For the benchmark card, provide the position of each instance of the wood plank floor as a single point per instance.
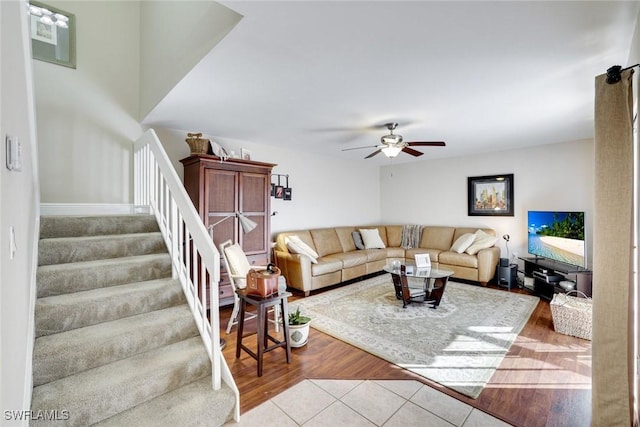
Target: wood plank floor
(545, 379)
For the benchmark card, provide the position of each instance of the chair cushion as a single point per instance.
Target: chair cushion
(238, 262)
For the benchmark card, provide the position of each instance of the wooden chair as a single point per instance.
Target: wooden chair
(238, 266)
(403, 291)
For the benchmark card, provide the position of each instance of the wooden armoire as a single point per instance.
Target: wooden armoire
(221, 188)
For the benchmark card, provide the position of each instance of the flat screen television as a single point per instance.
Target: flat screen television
(557, 236)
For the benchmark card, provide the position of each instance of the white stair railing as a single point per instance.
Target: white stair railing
(195, 259)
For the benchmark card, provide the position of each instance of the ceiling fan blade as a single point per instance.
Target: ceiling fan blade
(411, 151)
(373, 154)
(359, 148)
(426, 144)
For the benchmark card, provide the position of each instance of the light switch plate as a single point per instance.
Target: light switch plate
(13, 153)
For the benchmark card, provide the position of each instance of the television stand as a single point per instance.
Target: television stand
(548, 274)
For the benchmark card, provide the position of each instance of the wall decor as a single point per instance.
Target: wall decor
(53, 34)
(245, 154)
(279, 191)
(286, 195)
(490, 195)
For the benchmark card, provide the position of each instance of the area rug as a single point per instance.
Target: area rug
(459, 345)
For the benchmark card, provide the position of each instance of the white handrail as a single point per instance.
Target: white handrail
(195, 259)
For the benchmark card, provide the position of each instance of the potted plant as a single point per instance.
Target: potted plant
(298, 328)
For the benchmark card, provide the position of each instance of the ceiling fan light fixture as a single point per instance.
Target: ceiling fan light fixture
(391, 139)
(391, 151)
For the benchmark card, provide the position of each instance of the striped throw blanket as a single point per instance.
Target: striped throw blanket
(411, 236)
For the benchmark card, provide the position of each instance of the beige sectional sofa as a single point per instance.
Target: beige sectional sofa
(339, 260)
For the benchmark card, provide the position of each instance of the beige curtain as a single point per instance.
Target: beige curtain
(613, 335)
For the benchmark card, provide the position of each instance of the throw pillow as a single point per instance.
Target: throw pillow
(297, 246)
(357, 240)
(306, 248)
(371, 238)
(482, 241)
(463, 242)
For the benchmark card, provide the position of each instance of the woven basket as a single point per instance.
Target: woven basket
(572, 315)
(197, 144)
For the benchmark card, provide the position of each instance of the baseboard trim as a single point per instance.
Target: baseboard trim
(90, 209)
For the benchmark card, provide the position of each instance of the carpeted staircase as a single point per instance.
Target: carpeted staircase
(116, 343)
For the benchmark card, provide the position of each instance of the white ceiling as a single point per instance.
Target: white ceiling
(482, 76)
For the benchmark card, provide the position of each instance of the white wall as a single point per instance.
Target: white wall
(19, 210)
(167, 56)
(546, 177)
(87, 117)
(326, 191)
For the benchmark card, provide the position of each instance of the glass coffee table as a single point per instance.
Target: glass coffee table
(423, 285)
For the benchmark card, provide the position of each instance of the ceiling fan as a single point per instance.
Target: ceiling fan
(392, 144)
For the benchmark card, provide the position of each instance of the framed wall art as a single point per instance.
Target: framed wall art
(490, 195)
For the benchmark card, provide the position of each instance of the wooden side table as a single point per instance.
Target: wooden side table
(262, 306)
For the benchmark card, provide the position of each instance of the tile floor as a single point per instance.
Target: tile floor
(335, 403)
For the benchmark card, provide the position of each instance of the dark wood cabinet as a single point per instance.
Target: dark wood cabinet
(548, 274)
(218, 190)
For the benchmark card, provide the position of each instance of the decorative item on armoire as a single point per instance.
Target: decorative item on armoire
(197, 144)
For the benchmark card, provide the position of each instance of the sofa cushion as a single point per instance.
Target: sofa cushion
(394, 235)
(454, 258)
(371, 238)
(434, 254)
(326, 265)
(482, 241)
(396, 252)
(350, 259)
(437, 238)
(463, 242)
(345, 235)
(375, 254)
(326, 241)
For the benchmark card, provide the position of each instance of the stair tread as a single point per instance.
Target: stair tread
(59, 313)
(102, 392)
(82, 265)
(64, 250)
(75, 225)
(195, 404)
(92, 238)
(67, 353)
(52, 279)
